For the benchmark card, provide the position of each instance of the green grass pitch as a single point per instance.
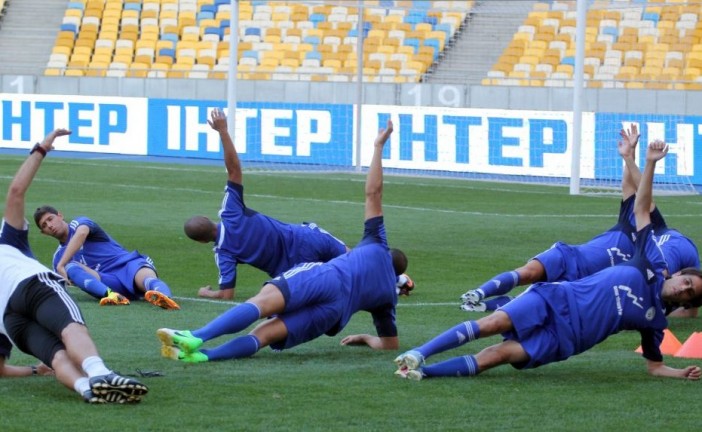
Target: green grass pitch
(456, 233)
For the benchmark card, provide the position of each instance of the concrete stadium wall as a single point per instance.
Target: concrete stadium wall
(516, 98)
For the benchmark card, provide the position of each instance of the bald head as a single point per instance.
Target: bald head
(200, 228)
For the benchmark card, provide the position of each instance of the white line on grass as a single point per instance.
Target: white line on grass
(228, 303)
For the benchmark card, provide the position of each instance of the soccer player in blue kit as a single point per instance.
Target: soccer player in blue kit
(564, 262)
(551, 322)
(246, 236)
(99, 265)
(312, 299)
(36, 313)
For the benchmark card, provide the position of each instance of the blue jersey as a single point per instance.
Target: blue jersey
(100, 252)
(577, 315)
(320, 298)
(248, 237)
(116, 265)
(564, 262)
(679, 251)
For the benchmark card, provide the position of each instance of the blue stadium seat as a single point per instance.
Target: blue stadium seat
(132, 6)
(444, 27)
(250, 53)
(216, 31)
(317, 18)
(173, 37)
(252, 31)
(69, 27)
(610, 31)
(224, 24)
(434, 43)
(570, 60)
(76, 5)
(313, 55)
(312, 40)
(413, 42)
(651, 16)
(167, 52)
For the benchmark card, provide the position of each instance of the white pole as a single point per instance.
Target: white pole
(578, 81)
(233, 61)
(360, 24)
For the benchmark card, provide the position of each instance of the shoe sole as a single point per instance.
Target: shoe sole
(168, 340)
(470, 297)
(119, 393)
(161, 300)
(170, 352)
(407, 360)
(474, 307)
(114, 303)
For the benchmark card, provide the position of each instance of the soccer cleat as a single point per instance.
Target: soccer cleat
(474, 307)
(91, 398)
(472, 296)
(182, 339)
(113, 299)
(176, 354)
(410, 374)
(409, 360)
(115, 388)
(404, 285)
(161, 300)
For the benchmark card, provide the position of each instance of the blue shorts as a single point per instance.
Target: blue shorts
(121, 279)
(536, 329)
(559, 263)
(313, 303)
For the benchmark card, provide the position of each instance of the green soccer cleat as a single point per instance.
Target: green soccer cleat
(176, 354)
(182, 339)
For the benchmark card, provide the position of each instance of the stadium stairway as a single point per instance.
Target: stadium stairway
(488, 29)
(27, 33)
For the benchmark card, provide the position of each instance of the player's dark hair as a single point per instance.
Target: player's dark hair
(695, 302)
(399, 261)
(41, 211)
(199, 228)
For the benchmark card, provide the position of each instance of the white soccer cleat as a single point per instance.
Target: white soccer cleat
(409, 360)
(474, 307)
(472, 296)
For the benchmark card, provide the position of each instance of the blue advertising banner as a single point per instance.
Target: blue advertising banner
(307, 134)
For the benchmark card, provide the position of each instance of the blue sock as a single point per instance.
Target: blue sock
(500, 284)
(86, 281)
(243, 346)
(234, 320)
(494, 303)
(156, 284)
(457, 366)
(451, 338)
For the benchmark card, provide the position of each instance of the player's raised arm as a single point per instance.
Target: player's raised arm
(627, 150)
(374, 180)
(218, 122)
(14, 202)
(644, 194)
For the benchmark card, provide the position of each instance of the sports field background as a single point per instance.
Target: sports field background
(456, 233)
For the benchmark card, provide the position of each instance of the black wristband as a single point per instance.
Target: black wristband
(34, 370)
(38, 148)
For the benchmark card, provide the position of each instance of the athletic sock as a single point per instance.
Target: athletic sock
(457, 366)
(86, 281)
(156, 284)
(81, 385)
(500, 284)
(451, 338)
(94, 366)
(243, 346)
(234, 320)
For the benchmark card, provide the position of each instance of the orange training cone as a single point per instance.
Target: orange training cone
(692, 348)
(670, 344)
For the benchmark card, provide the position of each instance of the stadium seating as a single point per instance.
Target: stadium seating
(164, 36)
(642, 45)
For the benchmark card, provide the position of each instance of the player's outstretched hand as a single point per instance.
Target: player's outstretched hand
(656, 150)
(692, 373)
(383, 135)
(218, 121)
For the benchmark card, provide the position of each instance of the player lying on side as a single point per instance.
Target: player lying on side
(551, 322)
(312, 299)
(38, 315)
(245, 236)
(564, 262)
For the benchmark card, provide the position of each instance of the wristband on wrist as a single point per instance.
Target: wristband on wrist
(38, 148)
(34, 370)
